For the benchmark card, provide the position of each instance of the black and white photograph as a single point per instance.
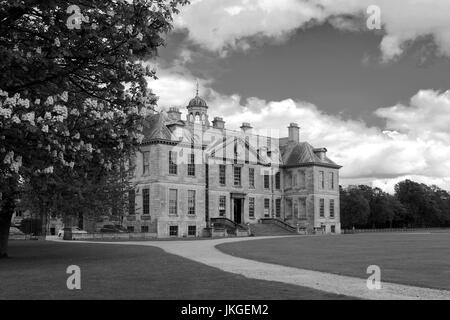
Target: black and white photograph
(224, 156)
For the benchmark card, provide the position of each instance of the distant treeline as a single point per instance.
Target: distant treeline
(414, 205)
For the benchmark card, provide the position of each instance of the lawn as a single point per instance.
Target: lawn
(37, 270)
(414, 259)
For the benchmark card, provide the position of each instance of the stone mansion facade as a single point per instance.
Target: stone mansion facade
(190, 171)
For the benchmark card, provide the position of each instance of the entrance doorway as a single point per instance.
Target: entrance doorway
(237, 210)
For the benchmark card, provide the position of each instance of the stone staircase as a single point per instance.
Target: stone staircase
(269, 229)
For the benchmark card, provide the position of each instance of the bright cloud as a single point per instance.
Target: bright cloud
(415, 143)
(223, 25)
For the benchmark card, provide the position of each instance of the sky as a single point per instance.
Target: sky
(377, 99)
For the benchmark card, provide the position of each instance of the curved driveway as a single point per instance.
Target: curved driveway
(204, 251)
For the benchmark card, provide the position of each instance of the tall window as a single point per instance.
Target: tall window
(278, 207)
(266, 181)
(332, 180)
(237, 176)
(191, 202)
(222, 174)
(146, 201)
(191, 165)
(222, 205)
(277, 181)
(173, 201)
(251, 207)
(331, 208)
(146, 162)
(192, 231)
(172, 162)
(131, 202)
(251, 177)
(322, 207)
(266, 207)
(173, 231)
(322, 179)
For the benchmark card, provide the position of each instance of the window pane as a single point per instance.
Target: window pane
(192, 230)
(266, 181)
(146, 162)
(322, 179)
(237, 176)
(322, 207)
(222, 205)
(251, 177)
(278, 207)
(266, 207)
(222, 174)
(277, 181)
(173, 201)
(173, 230)
(251, 207)
(191, 202)
(331, 208)
(146, 201)
(172, 162)
(191, 165)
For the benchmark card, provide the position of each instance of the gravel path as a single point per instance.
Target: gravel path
(204, 251)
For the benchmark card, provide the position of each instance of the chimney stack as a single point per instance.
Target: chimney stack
(174, 113)
(246, 127)
(294, 132)
(321, 153)
(218, 123)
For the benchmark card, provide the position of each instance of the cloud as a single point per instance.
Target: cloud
(221, 26)
(414, 144)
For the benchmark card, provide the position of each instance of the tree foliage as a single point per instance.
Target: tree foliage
(412, 205)
(73, 92)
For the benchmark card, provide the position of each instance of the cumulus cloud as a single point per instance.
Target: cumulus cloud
(414, 144)
(227, 25)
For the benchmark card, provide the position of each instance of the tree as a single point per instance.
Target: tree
(355, 208)
(426, 206)
(73, 91)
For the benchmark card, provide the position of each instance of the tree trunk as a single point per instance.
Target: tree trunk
(6, 213)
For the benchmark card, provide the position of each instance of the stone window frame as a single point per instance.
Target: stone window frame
(331, 176)
(222, 206)
(266, 181)
(173, 167)
(189, 230)
(173, 230)
(191, 202)
(322, 207)
(222, 174)
(237, 176)
(191, 165)
(266, 207)
(173, 211)
(332, 208)
(278, 180)
(146, 201)
(145, 162)
(278, 207)
(251, 207)
(251, 178)
(322, 179)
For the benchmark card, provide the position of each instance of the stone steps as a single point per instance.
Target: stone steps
(268, 229)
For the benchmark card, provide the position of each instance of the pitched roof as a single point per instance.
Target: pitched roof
(155, 127)
(298, 153)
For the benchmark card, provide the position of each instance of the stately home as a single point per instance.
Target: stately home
(193, 175)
